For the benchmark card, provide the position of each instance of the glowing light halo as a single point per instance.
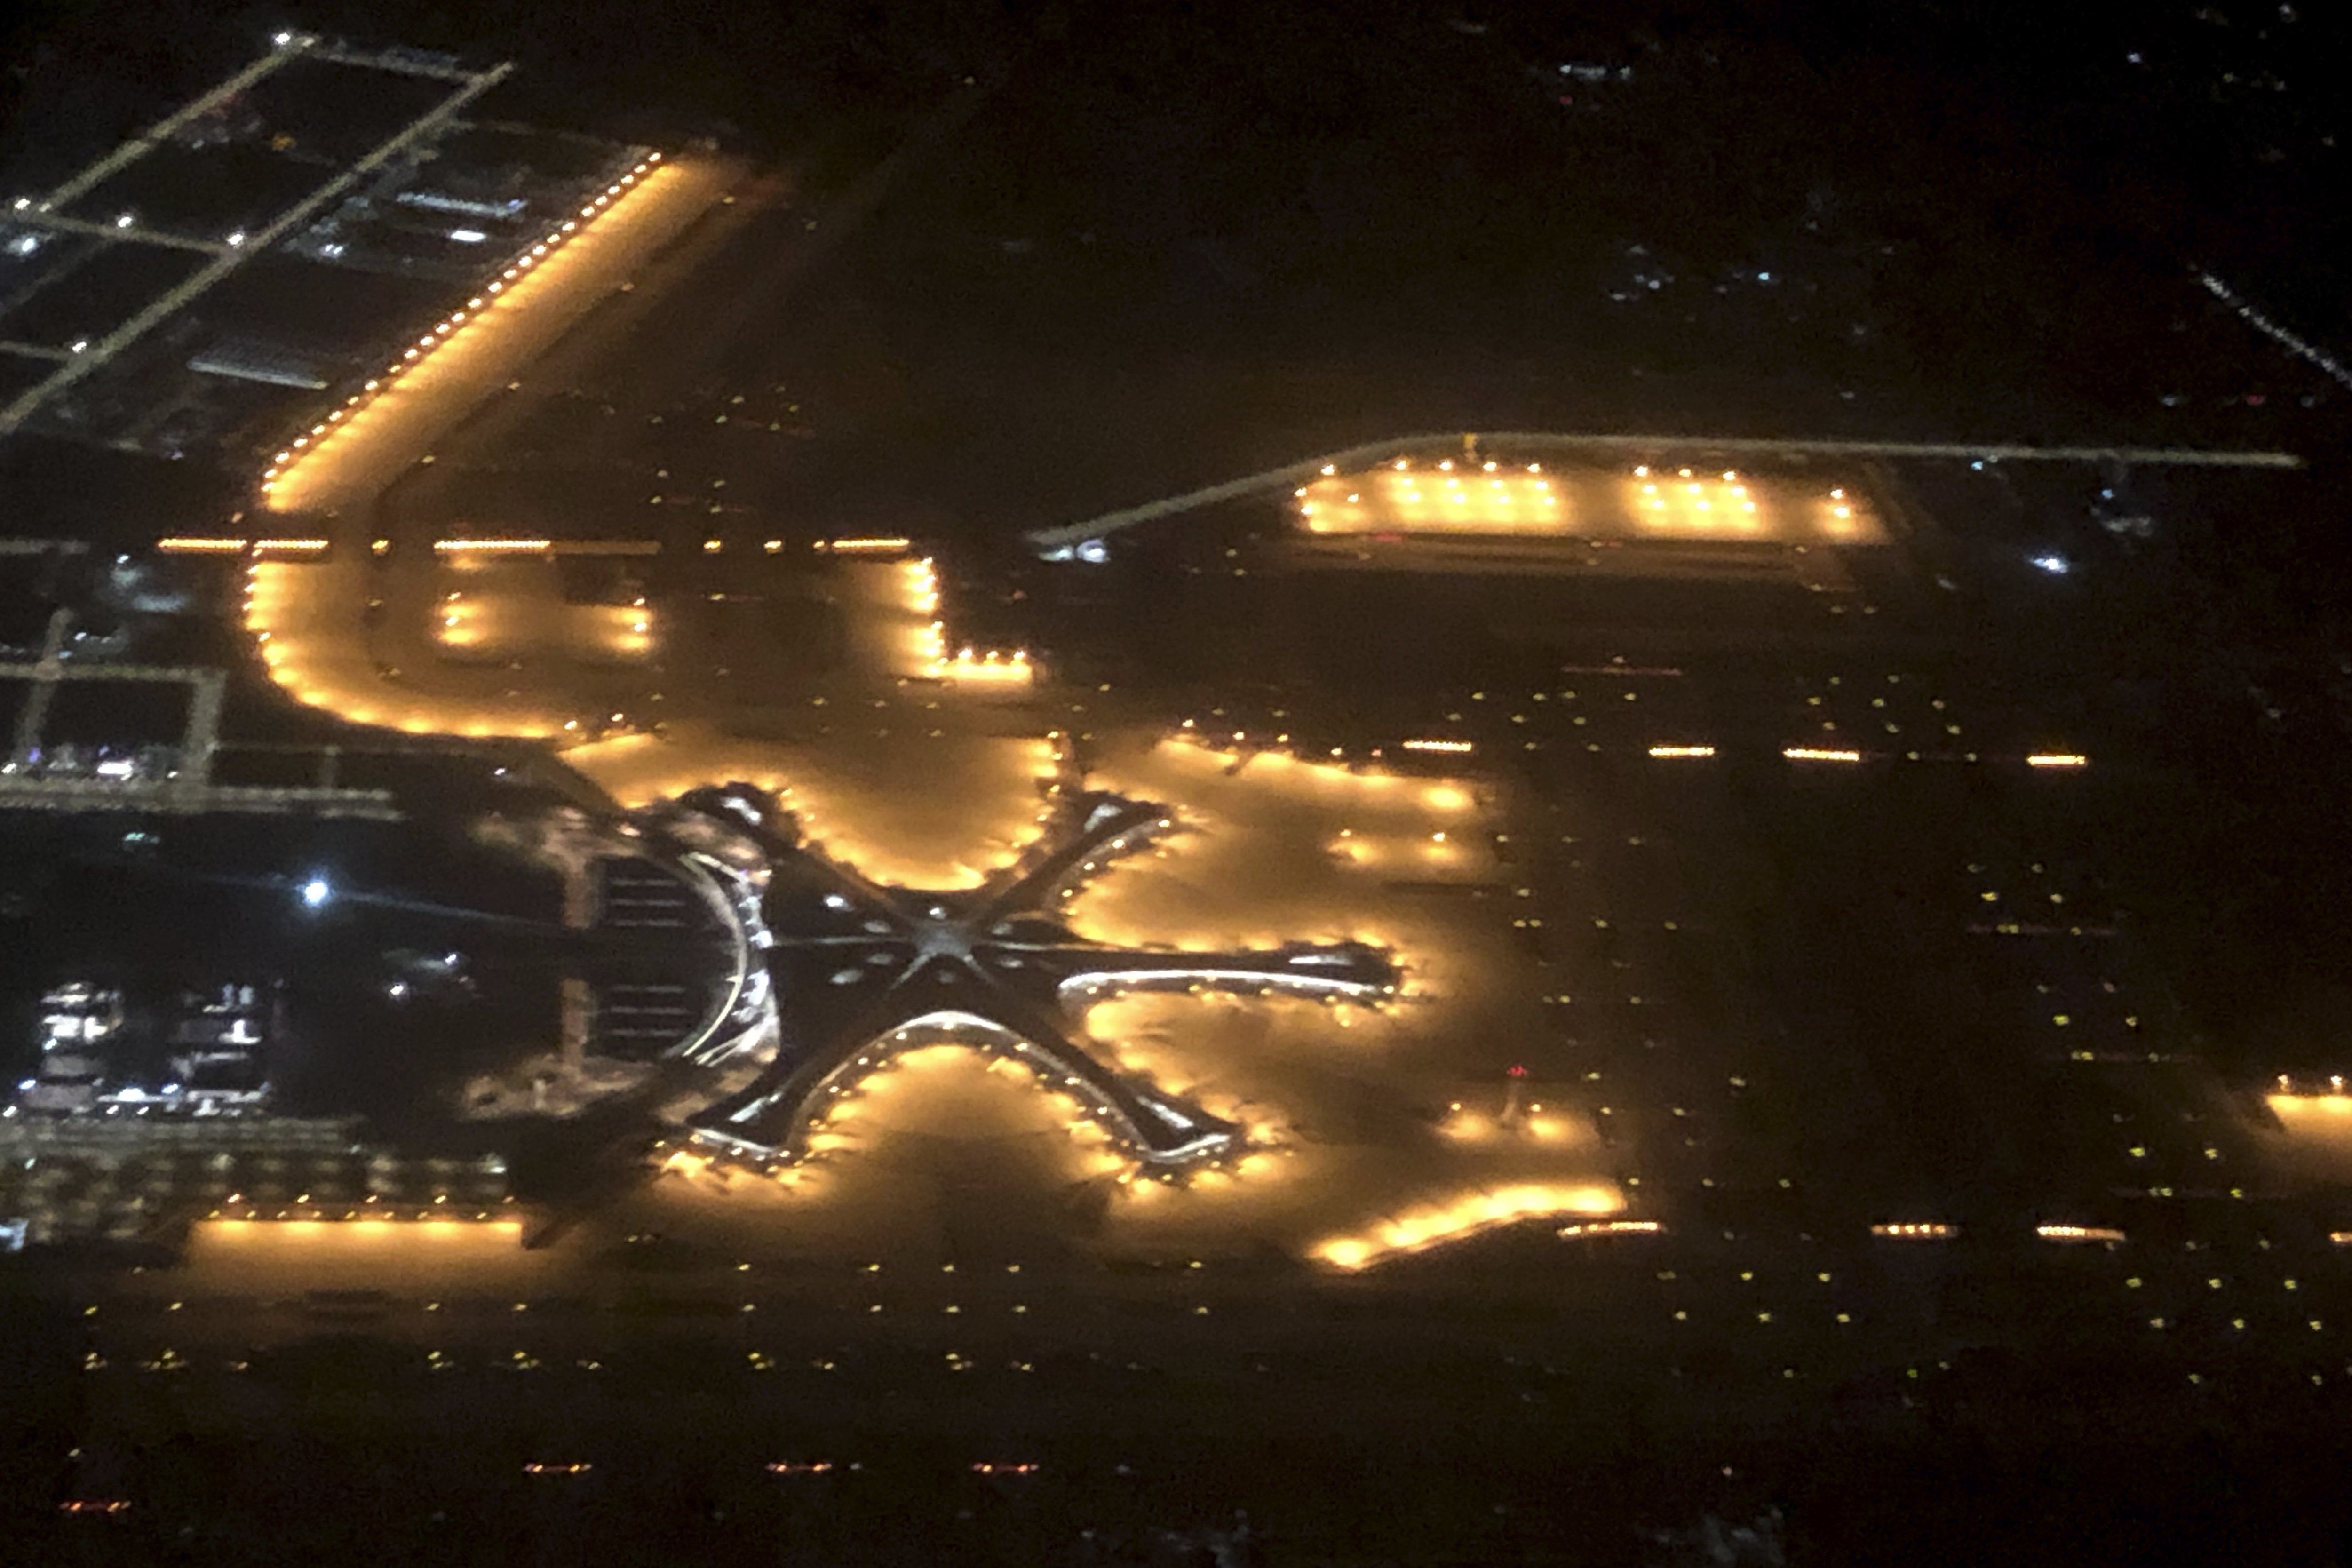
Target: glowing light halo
(1249, 1181)
(1474, 1212)
(816, 800)
(1059, 1076)
(459, 326)
(349, 693)
(997, 963)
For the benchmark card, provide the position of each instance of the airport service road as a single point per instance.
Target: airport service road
(351, 466)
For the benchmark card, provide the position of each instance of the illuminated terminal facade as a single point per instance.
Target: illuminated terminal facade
(862, 971)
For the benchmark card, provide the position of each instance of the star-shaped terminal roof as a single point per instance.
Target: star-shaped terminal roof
(859, 970)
